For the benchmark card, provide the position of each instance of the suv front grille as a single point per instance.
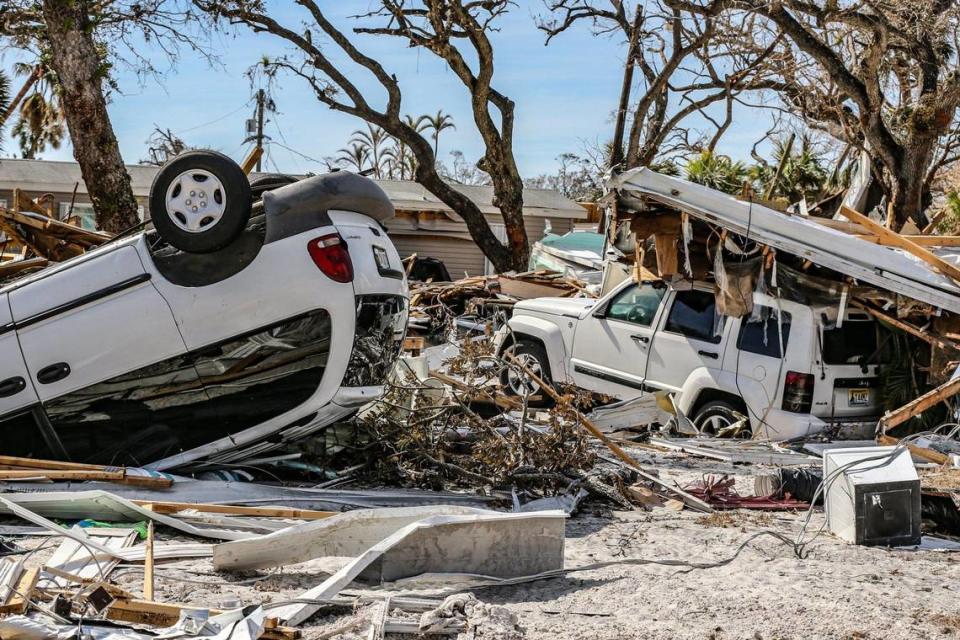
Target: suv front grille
(377, 341)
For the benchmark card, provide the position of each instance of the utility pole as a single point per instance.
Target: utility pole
(260, 105)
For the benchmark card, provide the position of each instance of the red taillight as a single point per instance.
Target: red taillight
(798, 392)
(330, 255)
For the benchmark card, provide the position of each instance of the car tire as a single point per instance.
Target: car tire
(217, 211)
(268, 182)
(716, 415)
(533, 355)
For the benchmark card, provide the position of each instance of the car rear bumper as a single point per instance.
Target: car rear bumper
(779, 425)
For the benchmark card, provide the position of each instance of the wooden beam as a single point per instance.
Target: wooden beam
(926, 336)
(262, 512)
(688, 499)
(894, 239)
(156, 614)
(921, 452)
(923, 241)
(251, 160)
(919, 405)
(20, 594)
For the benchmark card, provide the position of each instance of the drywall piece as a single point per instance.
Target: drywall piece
(872, 495)
(99, 505)
(10, 569)
(344, 535)
(167, 551)
(503, 545)
(884, 267)
(636, 412)
(78, 560)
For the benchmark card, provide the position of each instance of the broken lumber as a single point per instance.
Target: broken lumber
(20, 593)
(688, 499)
(156, 614)
(926, 336)
(262, 512)
(893, 239)
(920, 452)
(919, 405)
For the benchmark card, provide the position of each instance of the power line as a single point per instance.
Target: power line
(207, 124)
(292, 150)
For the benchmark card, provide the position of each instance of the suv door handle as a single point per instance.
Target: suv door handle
(640, 338)
(12, 386)
(53, 373)
(708, 354)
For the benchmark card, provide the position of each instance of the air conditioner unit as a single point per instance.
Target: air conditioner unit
(874, 500)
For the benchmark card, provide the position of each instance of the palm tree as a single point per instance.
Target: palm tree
(41, 120)
(717, 172)
(4, 99)
(354, 157)
(402, 158)
(438, 123)
(372, 140)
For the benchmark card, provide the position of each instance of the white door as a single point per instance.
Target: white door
(16, 388)
(690, 336)
(610, 345)
(86, 324)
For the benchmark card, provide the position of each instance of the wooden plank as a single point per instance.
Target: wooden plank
(119, 476)
(251, 160)
(688, 499)
(919, 405)
(894, 239)
(148, 580)
(20, 594)
(920, 452)
(263, 512)
(923, 241)
(157, 614)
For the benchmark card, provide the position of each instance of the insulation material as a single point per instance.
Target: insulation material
(736, 282)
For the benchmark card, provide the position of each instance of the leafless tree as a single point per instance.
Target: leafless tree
(162, 145)
(880, 75)
(457, 31)
(688, 60)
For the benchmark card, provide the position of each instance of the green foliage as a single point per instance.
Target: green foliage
(803, 174)
(717, 172)
(4, 99)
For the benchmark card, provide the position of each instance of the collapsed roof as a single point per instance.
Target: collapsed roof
(886, 267)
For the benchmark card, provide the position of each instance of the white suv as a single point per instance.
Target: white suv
(787, 367)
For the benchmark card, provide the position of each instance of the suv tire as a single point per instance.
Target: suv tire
(200, 201)
(715, 415)
(269, 182)
(534, 356)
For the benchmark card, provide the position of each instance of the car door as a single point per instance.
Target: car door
(610, 344)
(91, 334)
(690, 336)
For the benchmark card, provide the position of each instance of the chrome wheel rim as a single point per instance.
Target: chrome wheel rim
(714, 423)
(196, 201)
(517, 381)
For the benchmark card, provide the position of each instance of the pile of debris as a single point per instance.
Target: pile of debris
(469, 302)
(32, 238)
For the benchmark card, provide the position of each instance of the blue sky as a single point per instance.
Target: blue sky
(565, 95)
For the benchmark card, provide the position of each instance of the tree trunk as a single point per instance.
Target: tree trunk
(80, 70)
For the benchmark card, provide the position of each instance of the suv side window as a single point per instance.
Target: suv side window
(637, 303)
(694, 314)
(763, 336)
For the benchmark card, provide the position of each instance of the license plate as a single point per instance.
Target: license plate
(858, 397)
(381, 258)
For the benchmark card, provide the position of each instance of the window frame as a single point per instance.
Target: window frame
(604, 312)
(715, 339)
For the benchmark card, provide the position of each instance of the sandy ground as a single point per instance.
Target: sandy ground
(838, 591)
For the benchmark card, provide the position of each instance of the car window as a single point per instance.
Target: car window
(637, 303)
(694, 314)
(760, 333)
(856, 339)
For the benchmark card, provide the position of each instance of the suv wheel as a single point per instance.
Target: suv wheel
(200, 201)
(716, 415)
(516, 383)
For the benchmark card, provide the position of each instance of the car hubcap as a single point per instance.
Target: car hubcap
(196, 200)
(518, 382)
(714, 423)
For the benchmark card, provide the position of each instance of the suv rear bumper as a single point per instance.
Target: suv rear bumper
(779, 425)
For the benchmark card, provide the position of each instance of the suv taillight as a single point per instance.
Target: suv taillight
(330, 255)
(798, 392)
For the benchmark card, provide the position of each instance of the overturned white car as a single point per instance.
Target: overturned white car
(244, 321)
